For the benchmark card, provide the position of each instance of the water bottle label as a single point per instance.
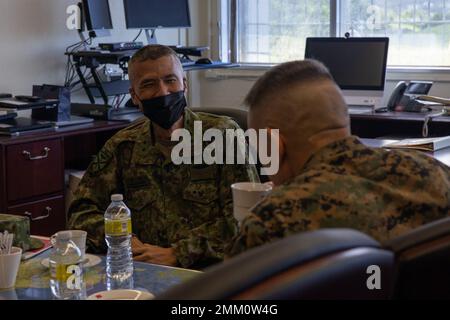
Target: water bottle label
(64, 272)
(118, 227)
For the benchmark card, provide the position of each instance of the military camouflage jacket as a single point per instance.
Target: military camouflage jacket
(349, 185)
(187, 207)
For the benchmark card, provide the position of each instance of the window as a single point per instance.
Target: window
(273, 31)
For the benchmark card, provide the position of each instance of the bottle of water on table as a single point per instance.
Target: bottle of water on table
(66, 269)
(119, 260)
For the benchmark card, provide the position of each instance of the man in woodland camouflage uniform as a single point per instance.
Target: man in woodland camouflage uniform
(181, 214)
(328, 178)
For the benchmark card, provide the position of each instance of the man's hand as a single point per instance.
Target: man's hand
(136, 243)
(152, 254)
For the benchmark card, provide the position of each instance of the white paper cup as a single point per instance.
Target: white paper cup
(77, 236)
(246, 195)
(9, 266)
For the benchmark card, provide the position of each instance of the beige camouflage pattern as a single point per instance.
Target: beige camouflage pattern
(188, 207)
(349, 185)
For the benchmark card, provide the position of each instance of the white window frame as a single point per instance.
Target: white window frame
(228, 50)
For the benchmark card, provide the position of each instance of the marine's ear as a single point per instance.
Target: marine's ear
(281, 142)
(185, 85)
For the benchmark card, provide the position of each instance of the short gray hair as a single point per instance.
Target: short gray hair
(153, 52)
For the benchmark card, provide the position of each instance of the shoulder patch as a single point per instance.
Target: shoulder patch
(101, 161)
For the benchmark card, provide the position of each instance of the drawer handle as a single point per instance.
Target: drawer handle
(44, 156)
(29, 214)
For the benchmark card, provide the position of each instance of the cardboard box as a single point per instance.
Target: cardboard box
(73, 178)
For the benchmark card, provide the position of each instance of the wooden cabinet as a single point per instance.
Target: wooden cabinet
(33, 180)
(32, 171)
(46, 216)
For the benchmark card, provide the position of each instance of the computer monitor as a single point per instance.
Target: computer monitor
(358, 65)
(97, 15)
(156, 14)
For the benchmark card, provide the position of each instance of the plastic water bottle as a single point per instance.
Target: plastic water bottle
(119, 260)
(66, 269)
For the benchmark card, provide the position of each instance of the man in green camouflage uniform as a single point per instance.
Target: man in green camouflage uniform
(328, 178)
(181, 214)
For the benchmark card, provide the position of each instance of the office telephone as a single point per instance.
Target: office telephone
(404, 97)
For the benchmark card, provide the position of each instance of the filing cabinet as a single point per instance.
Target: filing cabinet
(32, 171)
(33, 181)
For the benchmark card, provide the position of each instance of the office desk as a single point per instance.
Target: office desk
(400, 124)
(214, 65)
(441, 155)
(93, 59)
(32, 281)
(32, 170)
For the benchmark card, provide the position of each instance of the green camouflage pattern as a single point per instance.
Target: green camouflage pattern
(186, 207)
(380, 192)
(20, 227)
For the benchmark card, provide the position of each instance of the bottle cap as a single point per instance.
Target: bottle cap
(117, 197)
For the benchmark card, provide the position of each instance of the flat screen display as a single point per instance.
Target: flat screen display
(97, 14)
(153, 14)
(355, 63)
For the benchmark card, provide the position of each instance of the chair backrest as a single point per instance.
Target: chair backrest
(323, 264)
(238, 115)
(423, 262)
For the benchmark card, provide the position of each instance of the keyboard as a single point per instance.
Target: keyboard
(187, 62)
(361, 106)
(357, 109)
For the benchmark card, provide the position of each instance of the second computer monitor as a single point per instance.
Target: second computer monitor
(358, 65)
(154, 14)
(98, 16)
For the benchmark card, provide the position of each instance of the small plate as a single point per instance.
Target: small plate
(121, 295)
(92, 261)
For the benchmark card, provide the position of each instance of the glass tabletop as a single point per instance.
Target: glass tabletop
(33, 279)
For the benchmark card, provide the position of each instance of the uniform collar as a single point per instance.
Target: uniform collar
(144, 152)
(334, 150)
(189, 118)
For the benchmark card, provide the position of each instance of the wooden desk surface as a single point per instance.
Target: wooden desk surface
(441, 155)
(396, 125)
(96, 126)
(397, 116)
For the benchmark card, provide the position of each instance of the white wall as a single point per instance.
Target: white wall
(34, 37)
(228, 88)
(198, 35)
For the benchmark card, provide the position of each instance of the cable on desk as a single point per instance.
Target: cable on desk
(428, 118)
(70, 68)
(140, 31)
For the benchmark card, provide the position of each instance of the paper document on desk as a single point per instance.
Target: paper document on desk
(427, 144)
(437, 100)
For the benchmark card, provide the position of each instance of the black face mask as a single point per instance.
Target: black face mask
(165, 110)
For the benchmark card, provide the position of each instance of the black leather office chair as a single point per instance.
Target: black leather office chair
(324, 264)
(238, 115)
(423, 262)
